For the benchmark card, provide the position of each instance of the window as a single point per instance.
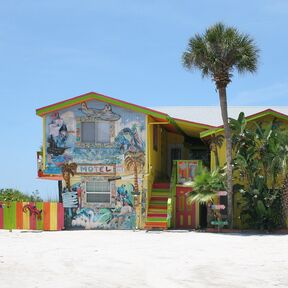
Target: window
(155, 137)
(95, 132)
(98, 192)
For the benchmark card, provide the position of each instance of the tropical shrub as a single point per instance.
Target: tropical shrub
(9, 195)
(258, 167)
(205, 185)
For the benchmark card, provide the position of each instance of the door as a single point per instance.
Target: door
(185, 212)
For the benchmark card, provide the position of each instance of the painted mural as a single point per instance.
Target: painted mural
(104, 145)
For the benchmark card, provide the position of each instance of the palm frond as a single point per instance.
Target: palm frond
(219, 51)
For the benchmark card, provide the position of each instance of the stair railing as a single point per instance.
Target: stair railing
(171, 200)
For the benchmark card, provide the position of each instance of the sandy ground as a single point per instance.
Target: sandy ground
(138, 259)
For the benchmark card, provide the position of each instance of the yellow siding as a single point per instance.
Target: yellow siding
(266, 120)
(53, 216)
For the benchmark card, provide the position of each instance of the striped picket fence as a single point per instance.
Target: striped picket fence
(12, 216)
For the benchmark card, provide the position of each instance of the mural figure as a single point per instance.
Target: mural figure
(129, 140)
(68, 170)
(104, 218)
(58, 134)
(89, 219)
(53, 149)
(33, 210)
(124, 192)
(120, 217)
(80, 191)
(123, 215)
(105, 114)
(135, 161)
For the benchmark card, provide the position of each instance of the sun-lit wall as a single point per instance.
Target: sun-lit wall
(108, 145)
(237, 200)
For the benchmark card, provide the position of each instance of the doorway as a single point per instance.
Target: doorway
(203, 216)
(175, 152)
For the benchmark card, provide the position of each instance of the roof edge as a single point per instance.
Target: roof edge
(103, 98)
(100, 97)
(248, 118)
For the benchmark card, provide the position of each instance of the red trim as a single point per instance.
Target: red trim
(47, 177)
(94, 93)
(1, 216)
(142, 107)
(121, 101)
(32, 218)
(60, 218)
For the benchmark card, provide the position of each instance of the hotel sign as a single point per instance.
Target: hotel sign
(96, 169)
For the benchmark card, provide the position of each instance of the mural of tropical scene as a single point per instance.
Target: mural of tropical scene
(107, 140)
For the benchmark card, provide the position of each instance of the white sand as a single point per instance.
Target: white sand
(138, 259)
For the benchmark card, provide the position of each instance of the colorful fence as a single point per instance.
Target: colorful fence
(48, 216)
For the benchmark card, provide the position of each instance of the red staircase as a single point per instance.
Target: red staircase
(157, 207)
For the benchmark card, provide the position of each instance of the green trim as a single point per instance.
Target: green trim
(192, 124)
(178, 129)
(249, 119)
(102, 98)
(210, 132)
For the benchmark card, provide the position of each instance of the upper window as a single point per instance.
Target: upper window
(155, 137)
(96, 132)
(98, 192)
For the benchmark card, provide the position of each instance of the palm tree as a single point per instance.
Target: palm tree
(205, 186)
(68, 170)
(133, 160)
(217, 53)
(215, 142)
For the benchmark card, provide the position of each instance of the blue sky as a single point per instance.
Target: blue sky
(128, 49)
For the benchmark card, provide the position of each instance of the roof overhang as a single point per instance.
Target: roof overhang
(253, 117)
(188, 128)
(102, 98)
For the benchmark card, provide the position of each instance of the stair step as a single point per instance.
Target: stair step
(161, 185)
(158, 203)
(157, 195)
(155, 225)
(157, 206)
(157, 215)
(158, 198)
(160, 190)
(156, 219)
(157, 211)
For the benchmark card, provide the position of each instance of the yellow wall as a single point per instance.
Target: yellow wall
(237, 201)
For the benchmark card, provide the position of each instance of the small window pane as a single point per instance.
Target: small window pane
(98, 197)
(98, 186)
(88, 132)
(103, 132)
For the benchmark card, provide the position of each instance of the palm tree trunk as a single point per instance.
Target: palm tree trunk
(229, 171)
(136, 178)
(284, 200)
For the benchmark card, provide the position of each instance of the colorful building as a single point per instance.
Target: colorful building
(124, 166)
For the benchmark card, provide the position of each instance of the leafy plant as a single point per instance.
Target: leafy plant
(259, 151)
(205, 185)
(10, 195)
